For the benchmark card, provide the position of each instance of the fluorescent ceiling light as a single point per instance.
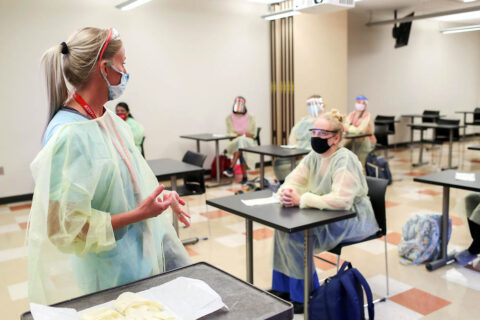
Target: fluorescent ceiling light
(280, 14)
(131, 4)
(460, 17)
(461, 29)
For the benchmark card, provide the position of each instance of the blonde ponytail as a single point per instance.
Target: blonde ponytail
(57, 92)
(74, 62)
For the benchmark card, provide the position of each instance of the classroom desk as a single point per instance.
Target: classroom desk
(422, 127)
(412, 120)
(465, 121)
(280, 218)
(352, 137)
(211, 137)
(244, 300)
(274, 151)
(477, 148)
(173, 169)
(447, 180)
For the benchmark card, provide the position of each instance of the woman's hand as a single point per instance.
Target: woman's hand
(153, 206)
(176, 205)
(289, 198)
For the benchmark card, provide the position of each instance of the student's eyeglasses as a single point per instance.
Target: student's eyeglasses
(322, 132)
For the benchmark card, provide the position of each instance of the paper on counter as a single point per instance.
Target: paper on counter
(286, 146)
(188, 298)
(219, 135)
(465, 176)
(41, 312)
(261, 201)
(185, 298)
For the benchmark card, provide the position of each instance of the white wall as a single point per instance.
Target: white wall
(187, 59)
(435, 71)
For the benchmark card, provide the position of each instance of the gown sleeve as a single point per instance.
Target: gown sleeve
(345, 187)
(73, 226)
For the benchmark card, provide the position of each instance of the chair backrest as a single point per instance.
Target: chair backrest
(476, 115)
(391, 126)
(381, 134)
(430, 113)
(197, 159)
(444, 134)
(257, 138)
(376, 191)
(142, 147)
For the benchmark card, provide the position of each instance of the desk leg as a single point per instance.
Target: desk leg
(411, 131)
(465, 124)
(249, 229)
(292, 163)
(444, 258)
(308, 271)
(420, 155)
(173, 181)
(198, 146)
(217, 158)
(262, 171)
(450, 147)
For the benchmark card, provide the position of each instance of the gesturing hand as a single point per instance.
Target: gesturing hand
(176, 204)
(153, 206)
(289, 197)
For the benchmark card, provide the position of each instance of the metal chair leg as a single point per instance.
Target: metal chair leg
(386, 267)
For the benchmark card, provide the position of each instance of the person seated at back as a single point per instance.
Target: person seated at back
(359, 121)
(329, 177)
(123, 111)
(243, 127)
(472, 206)
(300, 135)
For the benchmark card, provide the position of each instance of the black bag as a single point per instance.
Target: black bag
(341, 297)
(377, 167)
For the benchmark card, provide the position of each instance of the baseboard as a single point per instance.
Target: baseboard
(19, 198)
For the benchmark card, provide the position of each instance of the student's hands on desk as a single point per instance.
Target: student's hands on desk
(289, 197)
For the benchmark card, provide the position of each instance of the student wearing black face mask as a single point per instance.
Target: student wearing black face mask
(329, 177)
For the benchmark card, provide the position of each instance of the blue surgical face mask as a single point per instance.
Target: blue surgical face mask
(115, 91)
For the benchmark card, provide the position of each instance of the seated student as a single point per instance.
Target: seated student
(472, 206)
(329, 177)
(241, 125)
(300, 135)
(358, 122)
(123, 111)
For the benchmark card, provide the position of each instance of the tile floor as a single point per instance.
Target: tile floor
(452, 292)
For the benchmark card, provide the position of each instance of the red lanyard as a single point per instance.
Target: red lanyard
(84, 105)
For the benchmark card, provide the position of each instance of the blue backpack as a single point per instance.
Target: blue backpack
(341, 297)
(377, 167)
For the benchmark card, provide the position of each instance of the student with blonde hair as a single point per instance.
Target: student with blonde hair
(99, 219)
(329, 177)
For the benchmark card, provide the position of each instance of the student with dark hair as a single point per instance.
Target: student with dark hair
(123, 111)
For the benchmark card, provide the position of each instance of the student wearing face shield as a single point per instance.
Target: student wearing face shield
(360, 121)
(99, 219)
(300, 135)
(329, 177)
(241, 125)
(123, 111)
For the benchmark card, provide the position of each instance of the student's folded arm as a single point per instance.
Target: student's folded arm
(341, 196)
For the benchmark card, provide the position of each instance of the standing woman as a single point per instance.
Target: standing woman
(96, 220)
(123, 111)
(241, 125)
(360, 121)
